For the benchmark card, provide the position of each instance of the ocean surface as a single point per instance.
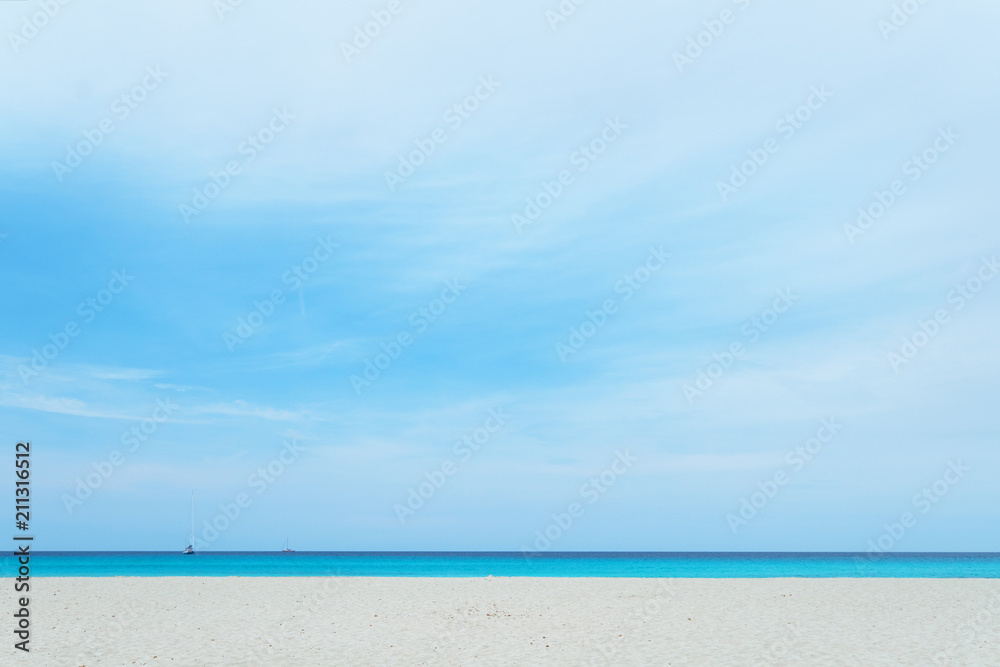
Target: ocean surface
(481, 564)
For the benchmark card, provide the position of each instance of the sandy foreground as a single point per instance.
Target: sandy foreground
(523, 621)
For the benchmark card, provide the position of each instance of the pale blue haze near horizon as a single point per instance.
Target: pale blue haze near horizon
(610, 67)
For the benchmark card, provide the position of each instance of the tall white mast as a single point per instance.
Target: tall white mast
(192, 519)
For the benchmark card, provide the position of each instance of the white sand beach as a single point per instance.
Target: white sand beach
(524, 621)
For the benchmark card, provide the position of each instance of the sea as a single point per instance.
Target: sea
(503, 564)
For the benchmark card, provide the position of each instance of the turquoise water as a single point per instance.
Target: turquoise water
(481, 564)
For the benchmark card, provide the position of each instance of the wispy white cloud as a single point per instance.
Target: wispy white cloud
(240, 408)
(61, 405)
(178, 387)
(125, 374)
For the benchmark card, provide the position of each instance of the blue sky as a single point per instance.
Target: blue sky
(650, 185)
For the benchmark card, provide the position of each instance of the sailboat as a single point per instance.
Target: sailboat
(190, 547)
(286, 550)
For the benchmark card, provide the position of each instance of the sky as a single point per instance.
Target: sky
(642, 276)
